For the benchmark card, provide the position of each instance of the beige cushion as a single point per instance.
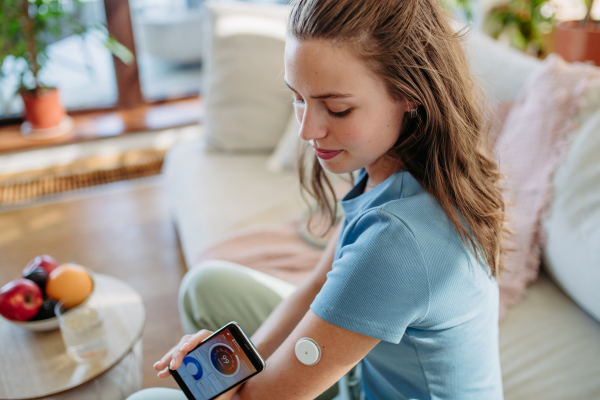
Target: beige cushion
(549, 347)
(247, 102)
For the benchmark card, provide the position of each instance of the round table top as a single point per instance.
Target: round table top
(35, 364)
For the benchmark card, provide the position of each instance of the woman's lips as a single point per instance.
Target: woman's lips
(326, 154)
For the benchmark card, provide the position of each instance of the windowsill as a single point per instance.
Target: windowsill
(104, 124)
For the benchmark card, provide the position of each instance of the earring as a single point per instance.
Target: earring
(413, 112)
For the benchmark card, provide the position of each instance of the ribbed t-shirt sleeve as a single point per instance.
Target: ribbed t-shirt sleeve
(378, 285)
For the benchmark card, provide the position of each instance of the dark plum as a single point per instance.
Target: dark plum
(39, 277)
(46, 310)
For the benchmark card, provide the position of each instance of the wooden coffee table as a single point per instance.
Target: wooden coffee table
(36, 365)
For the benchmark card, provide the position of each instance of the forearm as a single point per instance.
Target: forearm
(284, 318)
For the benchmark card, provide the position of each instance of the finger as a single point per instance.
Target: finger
(164, 373)
(164, 362)
(186, 346)
(175, 354)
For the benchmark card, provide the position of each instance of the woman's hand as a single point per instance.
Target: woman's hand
(174, 356)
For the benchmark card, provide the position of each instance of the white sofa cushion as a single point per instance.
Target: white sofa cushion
(247, 102)
(572, 251)
(214, 194)
(501, 70)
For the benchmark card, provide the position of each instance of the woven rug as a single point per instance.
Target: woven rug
(28, 187)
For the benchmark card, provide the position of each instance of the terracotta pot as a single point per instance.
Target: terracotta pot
(576, 42)
(43, 110)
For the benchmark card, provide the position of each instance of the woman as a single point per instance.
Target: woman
(407, 286)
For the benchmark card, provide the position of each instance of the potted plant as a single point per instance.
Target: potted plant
(579, 40)
(523, 24)
(27, 28)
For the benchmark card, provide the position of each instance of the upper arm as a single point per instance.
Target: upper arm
(378, 285)
(287, 378)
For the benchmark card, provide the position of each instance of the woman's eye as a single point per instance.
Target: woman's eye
(340, 114)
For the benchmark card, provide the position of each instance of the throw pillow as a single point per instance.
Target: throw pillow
(531, 145)
(247, 102)
(572, 250)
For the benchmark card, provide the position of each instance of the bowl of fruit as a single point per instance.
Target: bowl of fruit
(29, 301)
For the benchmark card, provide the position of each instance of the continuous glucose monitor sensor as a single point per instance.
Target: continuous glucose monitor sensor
(308, 351)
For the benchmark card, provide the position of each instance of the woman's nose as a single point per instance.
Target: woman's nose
(310, 126)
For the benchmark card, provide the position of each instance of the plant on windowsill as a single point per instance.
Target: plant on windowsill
(528, 25)
(521, 23)
(27, 28)
(579, 40)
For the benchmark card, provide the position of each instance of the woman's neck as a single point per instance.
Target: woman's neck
(380, 170)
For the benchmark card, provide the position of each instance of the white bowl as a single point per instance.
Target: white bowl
(43, 325)
(49, 324)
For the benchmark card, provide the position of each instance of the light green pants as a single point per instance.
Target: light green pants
(217, 292)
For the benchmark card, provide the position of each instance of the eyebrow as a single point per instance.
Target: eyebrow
(332, 95)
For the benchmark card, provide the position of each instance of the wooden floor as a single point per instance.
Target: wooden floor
(126, 233)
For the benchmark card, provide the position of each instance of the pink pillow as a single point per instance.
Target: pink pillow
(495, 119)
(532, 143)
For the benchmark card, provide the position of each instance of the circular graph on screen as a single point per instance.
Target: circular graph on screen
(193, 367)
(223, 359)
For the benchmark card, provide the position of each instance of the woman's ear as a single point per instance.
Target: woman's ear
(410, 105)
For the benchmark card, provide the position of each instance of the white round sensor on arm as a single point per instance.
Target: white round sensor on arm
(308, 351)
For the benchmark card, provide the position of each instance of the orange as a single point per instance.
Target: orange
(70, 283)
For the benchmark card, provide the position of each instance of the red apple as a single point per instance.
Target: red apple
(20, 300)
(45, 262)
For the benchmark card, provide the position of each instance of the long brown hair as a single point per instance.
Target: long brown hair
(412, 47)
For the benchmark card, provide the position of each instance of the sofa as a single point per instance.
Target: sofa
(238, 176)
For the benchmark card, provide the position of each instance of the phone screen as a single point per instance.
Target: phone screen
(216, 365)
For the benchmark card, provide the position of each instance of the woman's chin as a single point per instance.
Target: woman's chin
(335, 167)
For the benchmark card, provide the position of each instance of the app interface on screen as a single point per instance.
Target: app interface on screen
(216, 365)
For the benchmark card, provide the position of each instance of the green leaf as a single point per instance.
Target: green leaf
(119, 51)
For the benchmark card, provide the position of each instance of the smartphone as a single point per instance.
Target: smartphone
(223, 360)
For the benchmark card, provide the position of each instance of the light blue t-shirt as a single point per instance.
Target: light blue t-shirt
(402, 274)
